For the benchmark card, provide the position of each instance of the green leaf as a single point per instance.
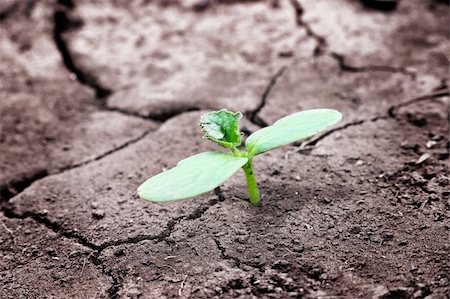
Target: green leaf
(192, 176)
(291, 128)
(222, 127)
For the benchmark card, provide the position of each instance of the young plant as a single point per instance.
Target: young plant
(205, 171)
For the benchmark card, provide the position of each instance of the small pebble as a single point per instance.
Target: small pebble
(423, 158)
(431, 143)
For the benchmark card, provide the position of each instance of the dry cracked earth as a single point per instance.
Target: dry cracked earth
(97, 96)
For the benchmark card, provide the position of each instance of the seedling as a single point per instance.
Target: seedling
(203, 172)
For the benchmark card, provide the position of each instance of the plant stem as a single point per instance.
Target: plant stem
(235, 151)
(252, 186)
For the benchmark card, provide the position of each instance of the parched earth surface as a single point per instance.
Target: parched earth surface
(97, 96)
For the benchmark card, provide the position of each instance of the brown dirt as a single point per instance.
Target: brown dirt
(97, 96)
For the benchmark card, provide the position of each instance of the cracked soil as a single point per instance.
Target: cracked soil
(97, 96)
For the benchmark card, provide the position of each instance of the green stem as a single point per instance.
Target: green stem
(252, 186)
(235, 151)
(253, 191)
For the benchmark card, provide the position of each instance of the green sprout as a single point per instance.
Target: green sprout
(203, 172)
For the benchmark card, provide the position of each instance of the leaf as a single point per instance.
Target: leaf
(222, 127)
(192, 176)
(291, 128)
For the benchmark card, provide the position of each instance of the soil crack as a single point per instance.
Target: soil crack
(170, 226)
(345, 67)
(321, 43)
(13, 189)
(167, 231)
(322, 47)
(313, 141)
(224, 255)
(160, 117)
(392, 111)
(237, 262)
(253, 115)
(63, 23)
(107, 153)
(55, 227)
(116, 284)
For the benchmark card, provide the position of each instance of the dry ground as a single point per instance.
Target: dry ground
(97, 96)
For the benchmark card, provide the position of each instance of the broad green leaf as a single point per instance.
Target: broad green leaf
(222, 127)
(192, 176)
(291, 128)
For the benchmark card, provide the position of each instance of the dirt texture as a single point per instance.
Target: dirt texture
(97, 96)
